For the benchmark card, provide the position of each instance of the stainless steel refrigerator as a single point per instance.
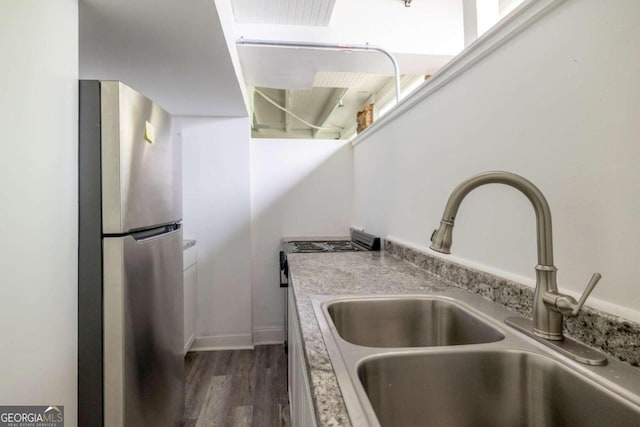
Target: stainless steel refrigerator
(130, 295)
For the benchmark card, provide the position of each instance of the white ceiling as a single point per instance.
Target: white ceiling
(182, 54)
(431, 27)
(174, 52)
(318, 106)
(283, 12)
(422, 39)
(287, 68)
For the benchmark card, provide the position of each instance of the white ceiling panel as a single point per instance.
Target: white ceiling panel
(175, 55)
(282, 71)
(283, 12)
(338, 79)
(310, 103)
(363, 81)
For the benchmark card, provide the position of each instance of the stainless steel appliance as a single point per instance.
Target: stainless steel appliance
(130, 309)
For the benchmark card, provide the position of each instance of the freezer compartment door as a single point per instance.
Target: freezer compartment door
(143, 330)
(141, 162)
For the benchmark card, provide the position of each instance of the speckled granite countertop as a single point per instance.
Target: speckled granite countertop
(342, 274)
(402, 270)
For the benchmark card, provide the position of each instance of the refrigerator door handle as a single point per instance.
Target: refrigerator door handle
(156, 233)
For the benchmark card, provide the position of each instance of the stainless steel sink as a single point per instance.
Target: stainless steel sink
(408, 322)
(490, 388)
(448, 359)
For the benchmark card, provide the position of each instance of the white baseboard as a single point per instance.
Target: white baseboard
(223, 342)
(273, 335)
(189, 343)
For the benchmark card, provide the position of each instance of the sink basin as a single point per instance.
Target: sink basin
(400, 361)
(408, 322)
(487, 388)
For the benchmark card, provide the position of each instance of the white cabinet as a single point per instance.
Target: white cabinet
(301, 403)
(190, 257)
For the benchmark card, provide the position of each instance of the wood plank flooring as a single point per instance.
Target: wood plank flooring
(237, 388)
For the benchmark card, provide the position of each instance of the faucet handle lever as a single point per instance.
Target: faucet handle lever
(592, 284)
(566, 304)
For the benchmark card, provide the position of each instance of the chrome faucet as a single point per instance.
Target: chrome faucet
(548, 305)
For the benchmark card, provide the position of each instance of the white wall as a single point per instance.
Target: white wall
(217, 214)
(38, 214)
(558, 104)
(298, 188)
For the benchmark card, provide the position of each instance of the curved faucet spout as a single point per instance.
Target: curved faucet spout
(548, 304)
(443, 236)
(547, 321)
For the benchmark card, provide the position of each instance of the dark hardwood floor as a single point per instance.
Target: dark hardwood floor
(237, 388)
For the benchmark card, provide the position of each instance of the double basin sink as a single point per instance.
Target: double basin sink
(449, 360)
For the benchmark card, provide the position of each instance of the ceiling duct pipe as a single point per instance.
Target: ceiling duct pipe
(330, 46)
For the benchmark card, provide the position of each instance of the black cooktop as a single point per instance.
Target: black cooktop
(360, 241)
(304, 246)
